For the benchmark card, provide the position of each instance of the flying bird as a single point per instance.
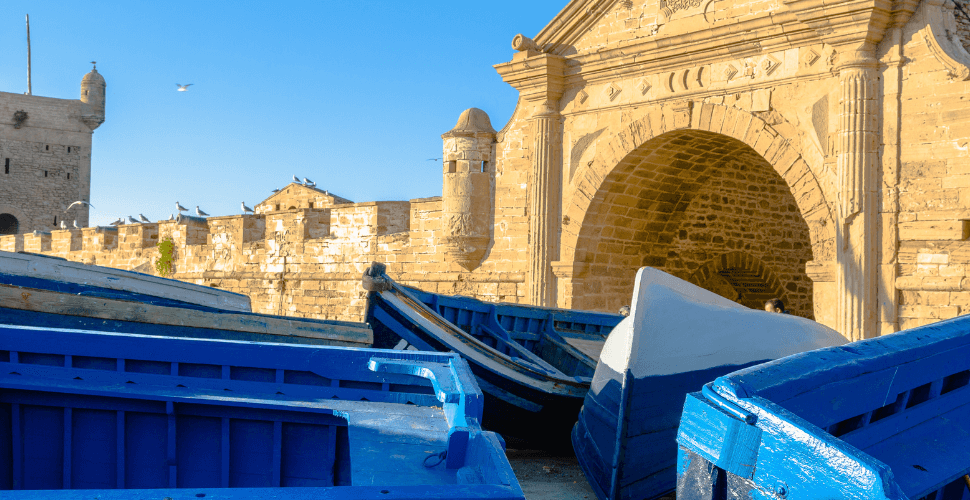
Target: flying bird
(199, 212)
(143, 218)
(433, 159)
(246, 209)
(183, 88)
(179, 207)
(131, 220)
(79, 202)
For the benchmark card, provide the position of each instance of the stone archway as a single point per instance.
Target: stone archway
(9, 224)
(741, 277)
(680, 187)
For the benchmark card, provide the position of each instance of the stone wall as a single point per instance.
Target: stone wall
(303, 262)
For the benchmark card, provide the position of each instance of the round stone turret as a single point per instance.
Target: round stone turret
(466, 201)
(92, 94)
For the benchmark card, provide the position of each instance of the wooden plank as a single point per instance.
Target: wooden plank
(43, 301)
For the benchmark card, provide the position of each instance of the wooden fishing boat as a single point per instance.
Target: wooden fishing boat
(49, 292)
(678, 337)
(116, 416)
(57, 274)
(534, 364)
(883, 418)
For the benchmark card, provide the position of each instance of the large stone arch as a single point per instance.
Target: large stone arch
(740, 277)
(24, 224)
(603, 198)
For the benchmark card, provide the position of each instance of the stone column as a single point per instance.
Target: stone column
(858, 170)
(544, 205)
(539, 78)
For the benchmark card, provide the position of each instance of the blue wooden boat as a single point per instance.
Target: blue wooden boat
(49, 292)
(883, 418)
(678, 337)
(534, 364)
(87, 415)
(26, 269)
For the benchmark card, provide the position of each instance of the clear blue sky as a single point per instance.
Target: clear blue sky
(352, 94)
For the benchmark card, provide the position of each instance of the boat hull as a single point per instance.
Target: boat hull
(519, 410)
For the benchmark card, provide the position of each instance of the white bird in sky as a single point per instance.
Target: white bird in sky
(79, 202)
(132, 220)
(199, 212)
(246, 209)
(143, 218)
(179, 207)
(183, 88)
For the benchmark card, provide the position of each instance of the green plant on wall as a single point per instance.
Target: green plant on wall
(166, 251)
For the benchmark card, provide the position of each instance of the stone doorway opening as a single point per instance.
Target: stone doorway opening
(704, 207)
(9, 224)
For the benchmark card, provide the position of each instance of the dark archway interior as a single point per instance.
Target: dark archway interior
(9, 224)
(683, 200)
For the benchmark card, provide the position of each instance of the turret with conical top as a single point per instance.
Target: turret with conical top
(92, 94)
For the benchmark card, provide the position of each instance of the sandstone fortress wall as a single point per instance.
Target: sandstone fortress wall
(45, 157)
(817, 151)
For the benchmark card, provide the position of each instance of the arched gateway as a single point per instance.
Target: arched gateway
(684, 199)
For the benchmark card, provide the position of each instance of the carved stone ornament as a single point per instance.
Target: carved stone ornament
(582, 96)
(729, 72)
(521, 42)
(770, 64)
(810, 57)
(613, 91)
(19, 117)
(939, 24)
(643, 86)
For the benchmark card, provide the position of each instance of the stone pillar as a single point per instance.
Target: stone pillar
(858, 170)
(544, 205)
(538, 76)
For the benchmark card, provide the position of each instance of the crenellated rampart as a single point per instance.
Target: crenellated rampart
(301, 262)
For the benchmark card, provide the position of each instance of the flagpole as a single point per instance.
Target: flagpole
(29, 88)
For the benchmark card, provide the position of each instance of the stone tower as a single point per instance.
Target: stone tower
(467, 189)
(92, 94)
(45, 157)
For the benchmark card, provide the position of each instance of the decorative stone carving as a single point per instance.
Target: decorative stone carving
(643, 86)
(522, 43)
(770, 64)
(582, 96)
(729, 72)
(612, 91)
(939, 25)
(809, 57)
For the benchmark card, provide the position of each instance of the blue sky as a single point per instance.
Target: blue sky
(352, 94)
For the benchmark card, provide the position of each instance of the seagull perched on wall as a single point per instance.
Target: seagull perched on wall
(143, 218)
(308, 182)
(172, 217)
(296, 179)
(63, 224)
(118, 222)
(199, 212)
(245, 209)
(79, 202)
(179, 207)
(276, 191)
(131, 220)
(75, 224)
(183, 88)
